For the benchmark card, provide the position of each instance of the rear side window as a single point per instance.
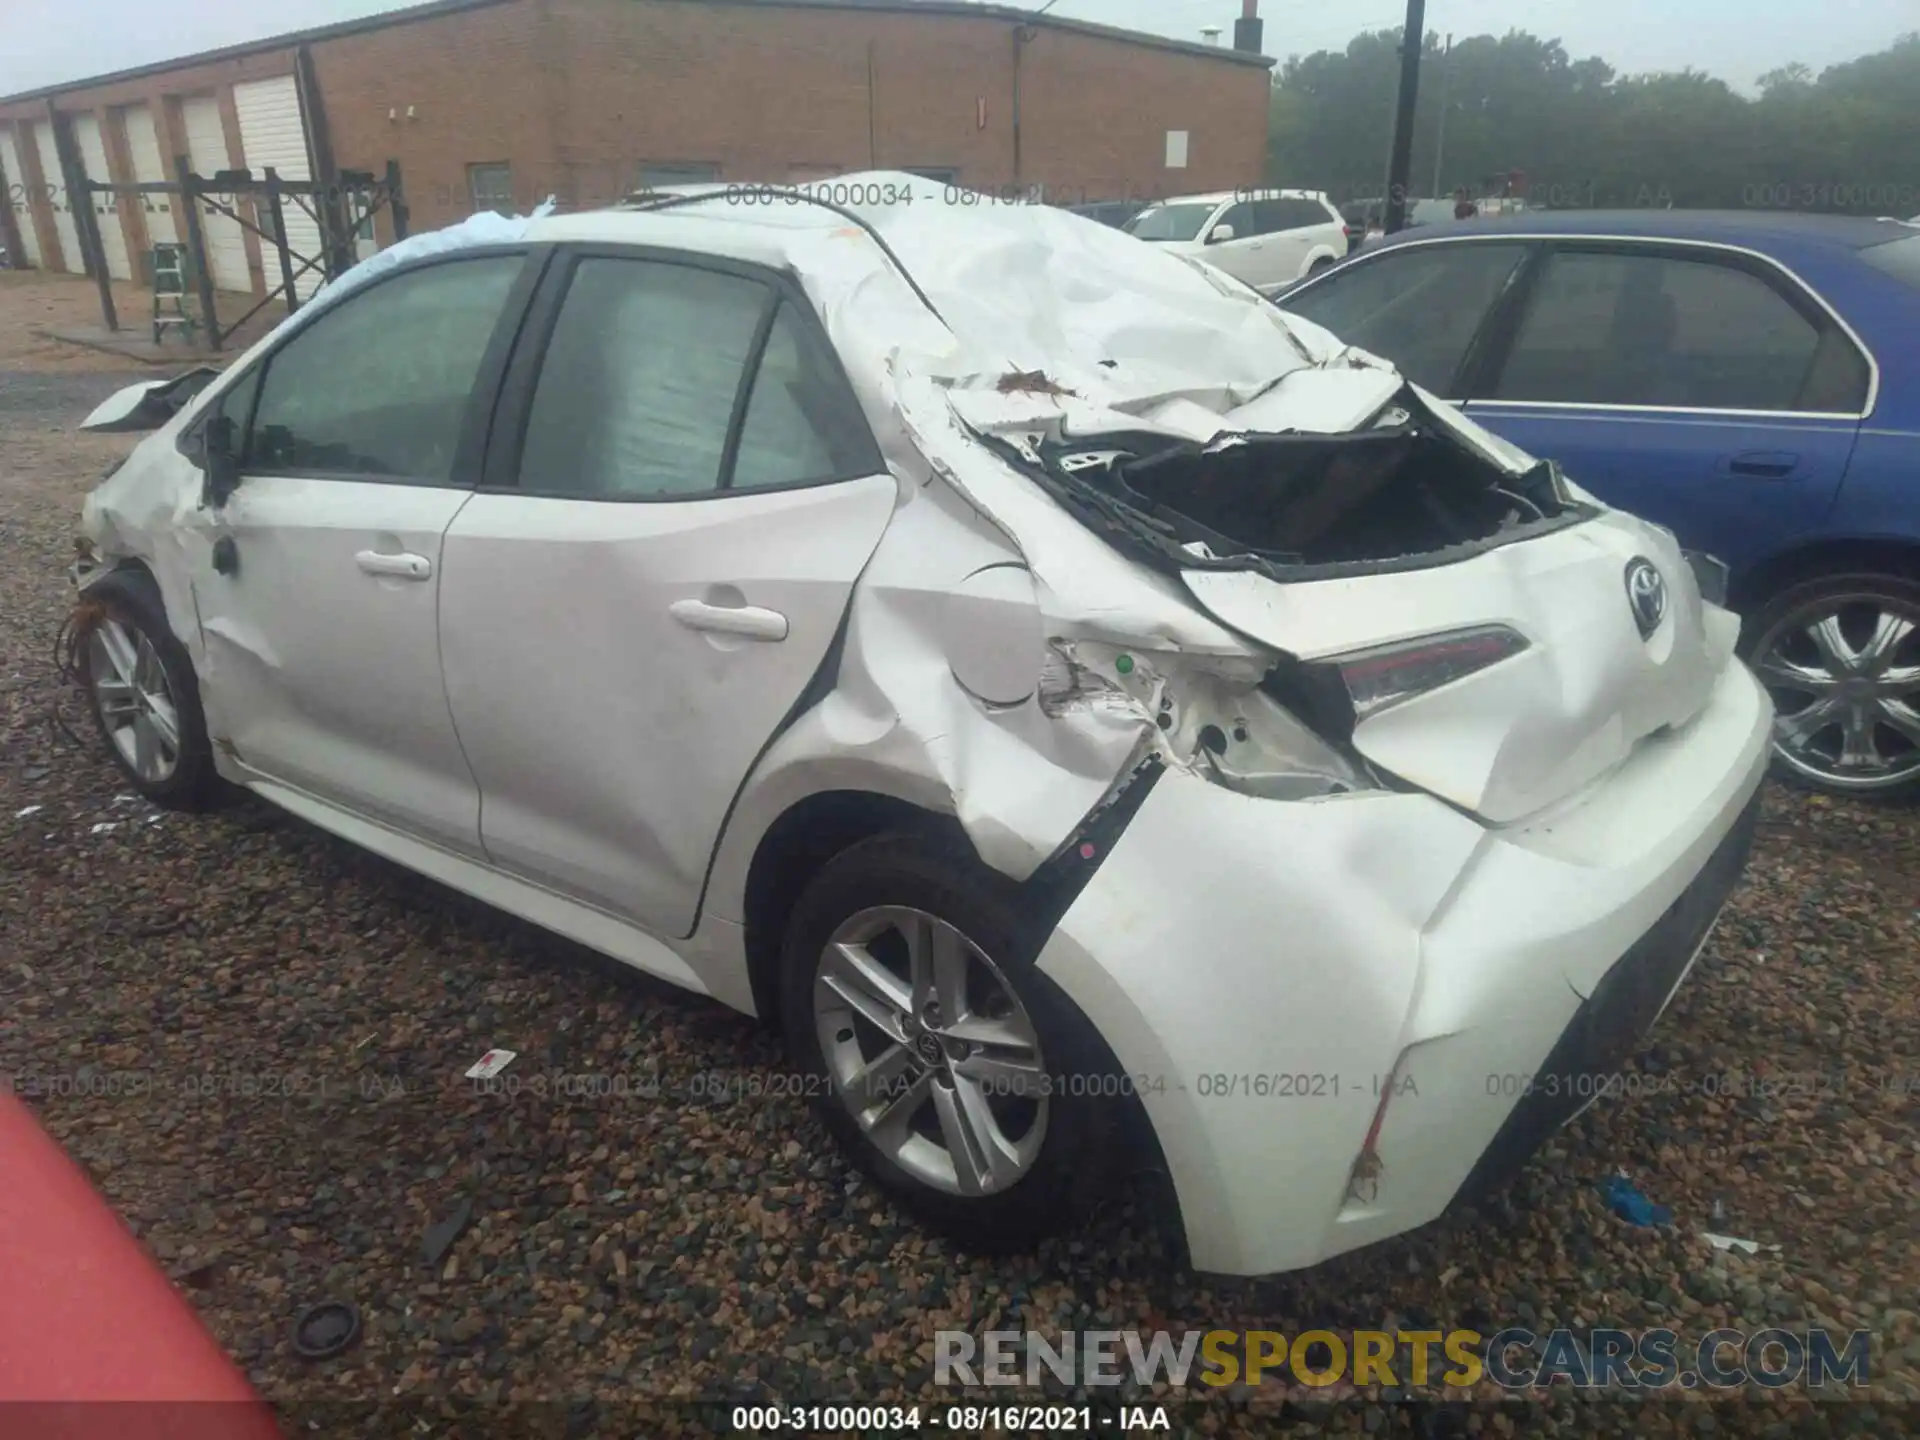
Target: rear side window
(637, 387)
(1661, 330)
(1418, 306)
(648, 367)
(802, 423)
(379, 385)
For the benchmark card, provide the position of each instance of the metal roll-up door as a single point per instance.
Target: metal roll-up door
(17, 197)
(272, 134)
(56, 189)
(143, 148)
(106, 210)
(207, 154)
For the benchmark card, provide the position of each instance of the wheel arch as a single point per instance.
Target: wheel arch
(791, 850)
(1890, 555)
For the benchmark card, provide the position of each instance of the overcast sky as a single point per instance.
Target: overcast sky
(48, 41)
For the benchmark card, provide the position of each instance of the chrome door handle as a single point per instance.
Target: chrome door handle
(405, 565)
(748, 620)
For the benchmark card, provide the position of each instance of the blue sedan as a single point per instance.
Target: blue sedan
(1750, 380)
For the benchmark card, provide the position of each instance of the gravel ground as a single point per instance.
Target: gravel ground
(293, 1017)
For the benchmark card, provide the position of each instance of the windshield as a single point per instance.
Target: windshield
(1899, 258)
(1169, 222)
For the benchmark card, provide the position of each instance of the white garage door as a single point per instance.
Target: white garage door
(56, 190)
(106, 210)
(272, 135)
(207, 153)
(17, 196)
(143, 144)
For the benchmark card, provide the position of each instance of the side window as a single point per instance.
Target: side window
(1419, 306)
(237, 403)
(802, 422)
(1619, 329)
(379, 384)
(638, 383)
(1242, 218)
(1291, 213)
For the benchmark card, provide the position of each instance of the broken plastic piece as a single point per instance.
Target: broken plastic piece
(439, 1238)
(491, 1064)
(1734, 1242)
(30, 810)
(1626, 1201)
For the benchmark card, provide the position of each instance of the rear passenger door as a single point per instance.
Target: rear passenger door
(1698, 387)
(679, 495)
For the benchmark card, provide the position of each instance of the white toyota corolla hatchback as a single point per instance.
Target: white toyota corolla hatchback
(1078, 703)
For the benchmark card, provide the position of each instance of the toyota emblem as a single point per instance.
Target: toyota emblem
(1646, 595)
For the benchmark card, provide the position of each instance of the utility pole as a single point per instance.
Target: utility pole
(1440, 141)
(1400, 167)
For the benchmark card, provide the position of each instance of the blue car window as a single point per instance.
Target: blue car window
(1610, 328)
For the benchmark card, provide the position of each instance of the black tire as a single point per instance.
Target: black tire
(130, 597)
(1081, 1147)
(1758, 634)
(1320, 266)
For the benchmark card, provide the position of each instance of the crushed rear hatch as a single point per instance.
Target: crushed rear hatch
(1458, 616)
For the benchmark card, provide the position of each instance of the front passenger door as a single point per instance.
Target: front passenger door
(360, 442)
(676, 509)
(1246, 256)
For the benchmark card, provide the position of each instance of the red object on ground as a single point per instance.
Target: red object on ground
(87, 1316)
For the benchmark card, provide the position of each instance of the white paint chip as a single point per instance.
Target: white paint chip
(491, 1064)
(30, 810)
(1176, 149)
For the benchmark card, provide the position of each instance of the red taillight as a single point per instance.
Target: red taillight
(1389, 674)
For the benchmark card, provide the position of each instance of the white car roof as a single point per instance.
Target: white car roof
(1014, 288)
(1263, 192)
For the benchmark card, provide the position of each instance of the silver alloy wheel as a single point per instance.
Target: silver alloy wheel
(1844, 672)
(135, 701)
(931, 1051)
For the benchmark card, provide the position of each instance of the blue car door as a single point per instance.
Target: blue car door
(1702, 388)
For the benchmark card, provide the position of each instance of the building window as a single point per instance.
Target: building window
(655, 174)
(492, 187)
(944, 174)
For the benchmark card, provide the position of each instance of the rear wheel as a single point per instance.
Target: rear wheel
(144, 696)
(948, 1068)
(1841, 657)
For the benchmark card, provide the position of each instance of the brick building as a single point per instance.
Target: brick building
(491, 103)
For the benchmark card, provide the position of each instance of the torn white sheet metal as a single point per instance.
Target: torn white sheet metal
(1517, 736)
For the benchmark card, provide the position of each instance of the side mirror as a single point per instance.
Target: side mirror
(220, 456)
(1219, 232)
(149, 404)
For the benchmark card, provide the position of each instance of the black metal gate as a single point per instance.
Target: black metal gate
(341, 212)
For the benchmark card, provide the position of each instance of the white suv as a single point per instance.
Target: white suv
(1268, 238)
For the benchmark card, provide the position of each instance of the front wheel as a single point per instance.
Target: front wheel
(1841, 657)
(143, 694)
(947, 1067)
